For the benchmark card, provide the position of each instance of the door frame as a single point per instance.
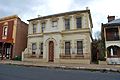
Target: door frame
(51, 51)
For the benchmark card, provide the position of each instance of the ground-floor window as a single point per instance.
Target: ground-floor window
(41, 48)
(6, 50)
(80, 47)
(34, 47)
(67, 48)
(113, 50)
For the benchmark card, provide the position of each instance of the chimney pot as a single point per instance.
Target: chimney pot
(110, 18)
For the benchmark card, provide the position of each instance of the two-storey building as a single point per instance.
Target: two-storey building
(60, 38)
(111, 37)
(13, 37)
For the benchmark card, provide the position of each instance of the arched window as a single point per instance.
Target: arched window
(5, 31)
(113, 50)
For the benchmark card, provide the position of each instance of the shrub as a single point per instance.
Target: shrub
(17, 58)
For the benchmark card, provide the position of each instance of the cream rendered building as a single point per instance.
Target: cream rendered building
(60, 38)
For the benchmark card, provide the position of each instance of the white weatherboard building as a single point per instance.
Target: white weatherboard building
(60, 38)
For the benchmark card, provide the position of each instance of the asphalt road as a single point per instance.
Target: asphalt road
(13, 72)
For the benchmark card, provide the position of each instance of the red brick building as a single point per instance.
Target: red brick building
(13, 37)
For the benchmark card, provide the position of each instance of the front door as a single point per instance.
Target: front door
(51, 51)
(7, 50)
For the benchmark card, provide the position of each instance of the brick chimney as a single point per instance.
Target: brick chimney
(110, 18)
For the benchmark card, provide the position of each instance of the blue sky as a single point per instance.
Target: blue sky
(27, 9)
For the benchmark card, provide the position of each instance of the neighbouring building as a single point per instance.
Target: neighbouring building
(13, 37)
(111, 37)
(60, 38)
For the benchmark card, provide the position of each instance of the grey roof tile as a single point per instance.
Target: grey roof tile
(116, 21)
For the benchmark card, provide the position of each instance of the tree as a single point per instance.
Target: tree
(99, 42)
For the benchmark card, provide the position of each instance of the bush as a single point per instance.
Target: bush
(17, 58)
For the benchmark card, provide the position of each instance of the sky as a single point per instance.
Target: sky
(29, 9)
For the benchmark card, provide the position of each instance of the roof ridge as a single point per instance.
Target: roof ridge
(114, 21)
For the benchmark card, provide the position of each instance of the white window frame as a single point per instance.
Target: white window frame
(34, 49)
(41, 48)
(65, 48)
(80, 49)
(66, 24)
(43, 26)
(5, 30)
(54, 23)
(78, 26)
(34, 27)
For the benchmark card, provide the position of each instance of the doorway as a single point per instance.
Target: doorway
(51, 51)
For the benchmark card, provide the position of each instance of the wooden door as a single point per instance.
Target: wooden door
(51, 51)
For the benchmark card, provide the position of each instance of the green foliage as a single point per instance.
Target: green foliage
(101, 48)
(100, 45)
(17, 58)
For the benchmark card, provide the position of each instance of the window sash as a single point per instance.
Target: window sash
(79, 22)
(43, 27)
(79, 47)
(67, 48)
(54, 23)
(67, 24)
(5, 29)
(41, 48)
(34, 46)
(113, 51)
(34, 28)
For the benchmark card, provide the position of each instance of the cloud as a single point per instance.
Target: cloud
(23, 8)
(28, 9)
(101, 9)
(57, 6)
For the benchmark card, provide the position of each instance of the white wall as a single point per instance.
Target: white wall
(61, 25)
(55, 34)
(110, 43)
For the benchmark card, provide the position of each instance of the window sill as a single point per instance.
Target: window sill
(114, 56)
(41, 56)
(63, 56)
(33, 56)
(4, 37)
(79, 56)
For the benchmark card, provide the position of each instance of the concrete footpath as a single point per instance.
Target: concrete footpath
(92, 67)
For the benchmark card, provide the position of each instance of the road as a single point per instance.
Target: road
(14, 72)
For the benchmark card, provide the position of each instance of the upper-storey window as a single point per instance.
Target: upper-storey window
(54, 23)
(34, 28)
(67, 24)
(42, 26)
(79, 22)
(112, 34)
(5, 29)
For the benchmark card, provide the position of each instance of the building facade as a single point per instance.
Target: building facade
(111, 37)
(60, 38)
(13, 37)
